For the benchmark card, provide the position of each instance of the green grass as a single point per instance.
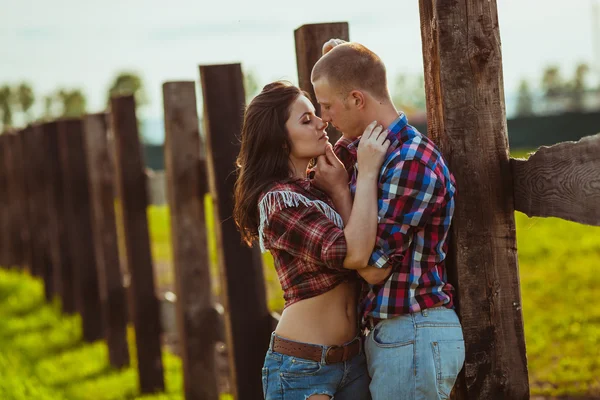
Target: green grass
(43, 357)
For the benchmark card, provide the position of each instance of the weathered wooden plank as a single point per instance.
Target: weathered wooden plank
(42, 262)
(466, 117)
(5, 237)
(26, 164)
(309, 44)
(248, 322)
(78, 216)
(131, 187)
(21, 187)
(560, 181)
(57, 240)
(12, 193)
(110, 279)
(186, 187)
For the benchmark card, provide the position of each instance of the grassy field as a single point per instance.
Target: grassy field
(42, 356)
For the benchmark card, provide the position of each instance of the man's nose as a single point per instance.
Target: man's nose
(325, 115)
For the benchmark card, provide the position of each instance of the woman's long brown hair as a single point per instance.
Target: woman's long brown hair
(264, 152)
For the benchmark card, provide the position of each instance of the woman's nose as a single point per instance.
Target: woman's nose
(323, 124)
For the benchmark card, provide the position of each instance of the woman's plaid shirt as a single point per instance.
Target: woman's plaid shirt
(305, 236)
(416, 204)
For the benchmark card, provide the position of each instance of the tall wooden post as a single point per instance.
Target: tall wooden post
(59, 242)
(466, 118)
(54, 206)
(14, 200)
(26, 174)
(78, 216)
(41, 263)
(186, 185)
(131, 184)
(248, 321)
(4, 204)
(20, 198)
(309, 44)
(110, 279)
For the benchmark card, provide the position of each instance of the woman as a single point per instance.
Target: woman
(315, 351)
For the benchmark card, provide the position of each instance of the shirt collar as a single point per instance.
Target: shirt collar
(393, 129)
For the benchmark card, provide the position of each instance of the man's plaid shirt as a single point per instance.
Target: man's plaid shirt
(416, 204)
(305, 236)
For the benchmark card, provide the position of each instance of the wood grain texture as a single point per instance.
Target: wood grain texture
(309, 44)
(186, 187)
(131, 187)
(110, 278)
(466, 118)
(248, 322)
(560, 181)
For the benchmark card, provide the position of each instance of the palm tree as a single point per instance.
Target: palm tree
(73, 103)
(25, 98)
(6, 103)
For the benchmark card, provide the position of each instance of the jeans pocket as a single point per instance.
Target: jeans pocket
(299, 367)
(265, 377)
(448, 357)
(386, 336)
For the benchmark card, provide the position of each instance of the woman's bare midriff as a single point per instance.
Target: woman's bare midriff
(328, 319)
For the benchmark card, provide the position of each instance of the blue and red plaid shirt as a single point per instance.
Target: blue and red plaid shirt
(416, 205)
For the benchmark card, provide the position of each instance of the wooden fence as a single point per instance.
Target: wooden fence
(61, 180)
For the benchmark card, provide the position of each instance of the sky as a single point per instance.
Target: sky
(83, 44)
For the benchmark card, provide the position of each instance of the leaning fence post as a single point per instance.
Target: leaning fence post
(186, 186)
(79, 226)
(309, 44)
(131, 183)
(248, 319)
(110, 279)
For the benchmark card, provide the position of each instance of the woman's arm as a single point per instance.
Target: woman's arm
(360, 217)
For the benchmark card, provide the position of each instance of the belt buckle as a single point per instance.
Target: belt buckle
(334, 347)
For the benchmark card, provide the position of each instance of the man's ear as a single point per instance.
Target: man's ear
(357, 99)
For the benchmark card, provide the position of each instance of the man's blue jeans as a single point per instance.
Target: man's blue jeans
(415, 356)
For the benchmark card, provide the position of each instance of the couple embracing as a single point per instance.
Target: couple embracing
(359, 240)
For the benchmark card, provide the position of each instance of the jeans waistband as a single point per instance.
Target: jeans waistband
(324, 348)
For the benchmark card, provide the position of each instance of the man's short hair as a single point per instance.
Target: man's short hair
(352, 66)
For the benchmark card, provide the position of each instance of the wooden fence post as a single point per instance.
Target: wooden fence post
(53, 206)
(13, 236)
(197, 319)
(110, 279)
(27, 170)
(59, 243)
(4, 204)
(248, 322)
(309, 44)
(466, 118)
(131, 183)
(79, 229)
(20, 197)
(41, 264)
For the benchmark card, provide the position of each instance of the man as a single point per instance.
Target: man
(415, 346)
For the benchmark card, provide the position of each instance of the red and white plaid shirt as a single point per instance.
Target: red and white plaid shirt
(304, 233)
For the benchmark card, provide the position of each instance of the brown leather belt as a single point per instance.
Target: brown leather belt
(334, 354)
